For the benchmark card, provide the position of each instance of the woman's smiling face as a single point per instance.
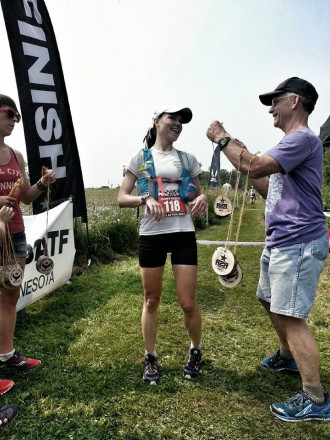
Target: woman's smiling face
(169, 126)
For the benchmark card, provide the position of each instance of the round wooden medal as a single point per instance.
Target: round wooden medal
(233, 278)
(223, 261)
(44, 264)
(222, 206)
(15, 275)
(11, 276)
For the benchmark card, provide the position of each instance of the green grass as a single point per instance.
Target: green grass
(89, 339)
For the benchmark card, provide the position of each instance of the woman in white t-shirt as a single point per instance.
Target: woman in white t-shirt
(166, 227)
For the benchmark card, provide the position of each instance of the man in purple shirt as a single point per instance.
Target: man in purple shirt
(296, 238)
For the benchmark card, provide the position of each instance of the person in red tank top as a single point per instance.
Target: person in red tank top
(12, 168)
(8, 412)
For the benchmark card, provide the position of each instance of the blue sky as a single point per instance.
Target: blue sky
(123, 59)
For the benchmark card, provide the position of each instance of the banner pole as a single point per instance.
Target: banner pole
(88, 250)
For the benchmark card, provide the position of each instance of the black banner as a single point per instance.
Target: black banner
(215, 168)
(48, 128)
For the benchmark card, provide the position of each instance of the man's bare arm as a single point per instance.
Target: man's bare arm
(259, 168)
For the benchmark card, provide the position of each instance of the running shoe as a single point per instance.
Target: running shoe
(192, 368)
(150, 369)
(276, 363)
(299, 408)
(7, 413)
(5, 385)
(21, 362)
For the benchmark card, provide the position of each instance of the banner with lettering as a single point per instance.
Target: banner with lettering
(58, 230)
(215, 168)
(48, 128)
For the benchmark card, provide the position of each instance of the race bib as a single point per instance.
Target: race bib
(172, 205)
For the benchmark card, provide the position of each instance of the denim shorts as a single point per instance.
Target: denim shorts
(289, 276)
(19, 243)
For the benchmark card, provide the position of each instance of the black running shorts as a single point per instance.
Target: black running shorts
(153, 249)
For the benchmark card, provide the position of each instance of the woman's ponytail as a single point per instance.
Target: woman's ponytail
(150, 138)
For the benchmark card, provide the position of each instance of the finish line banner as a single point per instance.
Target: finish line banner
(61, 249)
(48, 127)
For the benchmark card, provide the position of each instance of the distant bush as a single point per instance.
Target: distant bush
(326, 180)
(326, 197)
(112, 231)
(213, 219)
(200, 222)
(109, 238)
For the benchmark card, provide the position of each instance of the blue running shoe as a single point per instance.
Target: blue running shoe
(300, 408)
(276, 363)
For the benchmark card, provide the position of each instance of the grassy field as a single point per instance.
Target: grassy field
(90, 383)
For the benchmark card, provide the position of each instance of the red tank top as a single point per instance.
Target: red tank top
(8, 175)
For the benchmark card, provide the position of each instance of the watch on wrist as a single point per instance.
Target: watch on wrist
(144, 197)
(223, 142)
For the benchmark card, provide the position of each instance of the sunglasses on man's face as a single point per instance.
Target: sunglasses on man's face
(11, 113)
(276, 100)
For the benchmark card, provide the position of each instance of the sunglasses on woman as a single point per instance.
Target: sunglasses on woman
(11, 113)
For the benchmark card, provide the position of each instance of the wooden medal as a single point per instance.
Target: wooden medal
(44, 264)
(233, 278)
(223, 261)
(222, 206)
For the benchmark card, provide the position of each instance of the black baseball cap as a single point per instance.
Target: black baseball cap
(294, 85)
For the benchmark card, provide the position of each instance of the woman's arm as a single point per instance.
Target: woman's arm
(30, 193)
(126, 200)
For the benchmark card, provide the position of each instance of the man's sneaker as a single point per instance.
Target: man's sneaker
(192, 368)
(299, 408)
(5, 385)
(21, 362)
(150, 369)
(7, 413)
(276, 363)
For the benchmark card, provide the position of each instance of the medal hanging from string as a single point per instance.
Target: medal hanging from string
(11, 272)
(44, 263)
(224, 262)
(222, 204)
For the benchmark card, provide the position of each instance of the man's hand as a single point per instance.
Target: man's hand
(215, 132)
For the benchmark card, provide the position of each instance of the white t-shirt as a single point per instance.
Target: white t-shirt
(167, 164)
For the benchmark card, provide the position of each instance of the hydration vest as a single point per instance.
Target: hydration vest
(187, 189)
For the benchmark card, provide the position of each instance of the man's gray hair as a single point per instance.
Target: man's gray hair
(307, 104)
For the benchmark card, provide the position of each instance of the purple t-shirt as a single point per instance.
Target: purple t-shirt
(294, 210)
